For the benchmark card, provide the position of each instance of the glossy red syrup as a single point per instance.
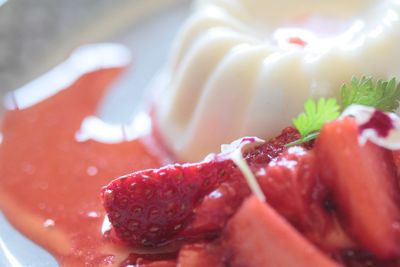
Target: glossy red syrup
(50, 183)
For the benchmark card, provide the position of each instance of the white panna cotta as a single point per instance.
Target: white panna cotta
(246, 67)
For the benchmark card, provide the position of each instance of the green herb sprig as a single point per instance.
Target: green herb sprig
(381, 94)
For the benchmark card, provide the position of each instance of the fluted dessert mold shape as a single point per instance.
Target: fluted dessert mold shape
(241, 68)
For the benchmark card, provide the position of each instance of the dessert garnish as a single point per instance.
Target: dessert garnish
(381, 128)
(382, 95)
(315, 115)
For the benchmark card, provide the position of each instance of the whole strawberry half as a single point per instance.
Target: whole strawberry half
(150, 208)
(156, 207)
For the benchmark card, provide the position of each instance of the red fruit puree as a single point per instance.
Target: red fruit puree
(50, 183)
(380, 122)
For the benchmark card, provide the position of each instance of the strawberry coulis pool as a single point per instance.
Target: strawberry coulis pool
(50, 182)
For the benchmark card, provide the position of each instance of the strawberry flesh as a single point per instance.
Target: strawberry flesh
(362, 179)
(271, 149)
(396, 159)
(216, 208)
(294, 173)
(258, 236)
(151, 207)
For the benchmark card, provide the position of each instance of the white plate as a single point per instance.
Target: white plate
(152, 26)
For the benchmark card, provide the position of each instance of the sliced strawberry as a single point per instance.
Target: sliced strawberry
(258, 236)
(201, 255)
(275, 146)
(293, 174)
(291, 184)
(396, 158)
(217, 207)
(363, 183)
(149, 208)
(153, 208)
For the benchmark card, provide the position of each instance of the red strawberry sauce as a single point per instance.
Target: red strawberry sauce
(50, 183)
(380, 122)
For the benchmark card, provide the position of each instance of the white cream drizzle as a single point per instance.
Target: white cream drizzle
(234, 152)
(362, 114)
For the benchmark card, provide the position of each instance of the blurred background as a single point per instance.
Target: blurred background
(35, 35)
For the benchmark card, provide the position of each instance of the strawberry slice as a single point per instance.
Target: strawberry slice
(271, 149)
(258, 236)
(153, 208)
(294, 173)
(396, 158)
(216, 208)
(363, 183)
(150, 208)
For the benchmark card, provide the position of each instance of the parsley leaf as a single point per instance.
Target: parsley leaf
(314, 116)
(383, 95)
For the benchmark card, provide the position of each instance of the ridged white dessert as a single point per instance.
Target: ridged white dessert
(239, 68)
